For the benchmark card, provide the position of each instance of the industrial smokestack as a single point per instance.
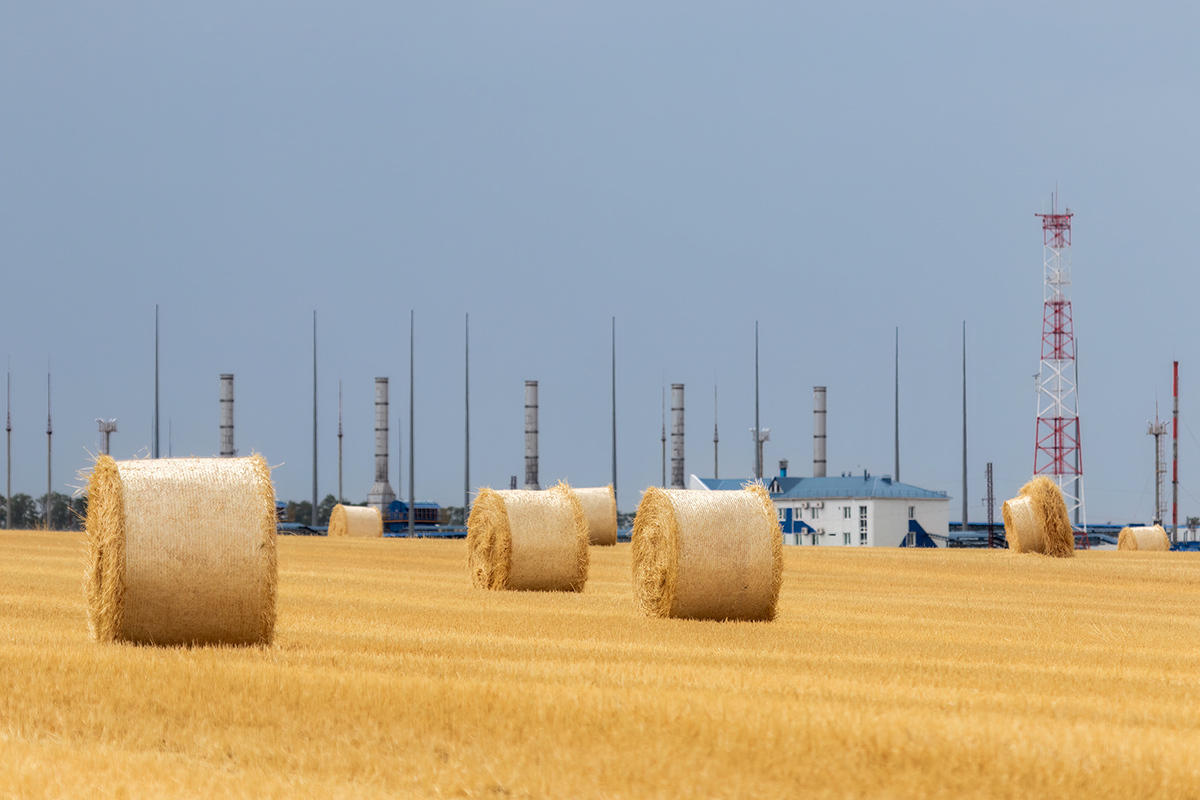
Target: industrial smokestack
(531, 435)
(677, 436)
(227, 450)
(381, 492)
(818, 431)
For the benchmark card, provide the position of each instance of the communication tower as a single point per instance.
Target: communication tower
(1158, 429)
(1057, 452)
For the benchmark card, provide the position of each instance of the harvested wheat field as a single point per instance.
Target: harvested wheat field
(887, 673)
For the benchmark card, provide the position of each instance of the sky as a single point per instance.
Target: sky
(831, 172)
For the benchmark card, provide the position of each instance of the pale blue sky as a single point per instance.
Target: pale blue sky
(830, 170)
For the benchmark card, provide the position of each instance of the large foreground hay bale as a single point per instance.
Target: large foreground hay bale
(600, 511)
(707, 555)
(1036, 520)
(355, 521)
(1153, 537)
(524, 539)
(181, 551)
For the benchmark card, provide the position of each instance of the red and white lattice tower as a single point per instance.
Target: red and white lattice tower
(1058, 452)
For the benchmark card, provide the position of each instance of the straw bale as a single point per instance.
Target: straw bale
(1152, 537)
(1036, 520)
(181, 551)
(600, 510)
(355, 521)
(524, 539)
(707, 555)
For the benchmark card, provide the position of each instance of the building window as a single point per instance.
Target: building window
(862, 538)
(815, 512)
(912, 512)
(846, 539)
(845, 512)
(782, 515)
(862, 520)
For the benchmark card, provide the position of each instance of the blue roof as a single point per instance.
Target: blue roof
(825, 488)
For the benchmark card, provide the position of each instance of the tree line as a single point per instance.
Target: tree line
(29, 513)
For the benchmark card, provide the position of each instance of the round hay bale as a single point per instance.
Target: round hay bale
(1152, 537)
(525, 539)
(355, 521)
(707, 555)
(600, 511)
(1036, 520)
(181, 551)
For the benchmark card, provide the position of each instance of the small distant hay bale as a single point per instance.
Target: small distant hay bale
(707, 555)
(1152, 537)
(181, 551)
(525, 539)
(600, 511)
(355, 521)
(1036, 520)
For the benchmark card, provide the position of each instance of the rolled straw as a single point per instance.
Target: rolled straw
(707, 555)
(1036, 520)
(524, 539)
(181, 551)
(600, 511)
(355, 521)
(1153, 537)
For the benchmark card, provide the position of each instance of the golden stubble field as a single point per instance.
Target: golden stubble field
(888, 673)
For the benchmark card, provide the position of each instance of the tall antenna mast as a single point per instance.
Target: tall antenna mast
(664, 433)
(156, 434)
(758, 469)
(716, 471)
(8, 469)
(1057, 446)
(467, 418)
(964, 454)
(412, 442)
(1175, 461)
(49, 434)
(614, 409)
(341, 497)
(314, 493)
(897, 404)
(1158, 430)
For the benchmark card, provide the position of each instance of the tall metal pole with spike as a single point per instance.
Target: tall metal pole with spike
(412, 442)
(467, 418)
(614, 409)
(341, 497)
(897, 404)
(314, 486)
(1175, 461)
(664, 436)
(758, 468)
(1057, 446)
(49, 434)
(716, 471)
(156, 426)
(8, 468)
(964, 474)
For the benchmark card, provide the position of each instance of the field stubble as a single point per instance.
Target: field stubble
(898, 673)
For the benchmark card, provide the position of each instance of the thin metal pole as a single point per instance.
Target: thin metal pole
(758, 468)
(614, 409)
(156, 426)
(664, 434)
(991, 509)
(467, 419)
(716, 469)
(341, 497)
(897, 404)
(964, 438)
(1175, 461)
(412, 443)
(8, 469)
(49, 434)
(314, 493)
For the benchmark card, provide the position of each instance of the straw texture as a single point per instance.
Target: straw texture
(1036, 520)
(181, 551)
(707, 555)
(600, 510)
(523, 539)
(355, 521)
(1153, 537)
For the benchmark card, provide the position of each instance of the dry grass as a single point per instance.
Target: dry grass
(896, 673)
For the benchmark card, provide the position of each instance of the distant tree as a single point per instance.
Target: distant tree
(325, 508)
(24, 511)
(300, 512)
(455, 518)
(625, 518)
(63, 516)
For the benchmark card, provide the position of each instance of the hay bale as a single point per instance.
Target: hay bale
(1152, 537)
(524, 539)
(707, 555)
(1036, 520)
(355, 521)
(181, 551)
(600, 511)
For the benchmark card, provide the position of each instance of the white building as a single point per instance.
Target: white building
(854, 511)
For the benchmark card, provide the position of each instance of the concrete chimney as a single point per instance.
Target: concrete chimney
(677, 436)
(381, 492)
(818, 431)
(531, 435)
(227, 450)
